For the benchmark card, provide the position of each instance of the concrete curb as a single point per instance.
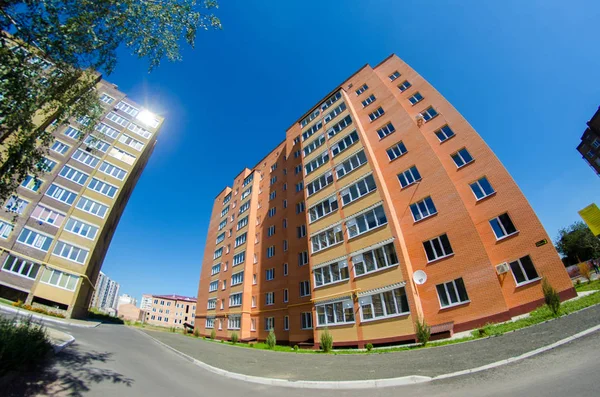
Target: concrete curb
(27, 313)
(369, 383)
(59, 348)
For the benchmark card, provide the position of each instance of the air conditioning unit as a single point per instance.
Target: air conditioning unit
(502, 268)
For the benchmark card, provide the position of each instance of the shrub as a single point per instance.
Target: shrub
(18, 303)
(213, 334)
(423, 331)
(271, 339)
(222, 341)
(296, 348)
(551, 297)
(22, 345)
(584, 271)
(326, 341)
(369, 347)
(234, 337)
(203, 337)
(578, 282)
(196, 333)
(250, 344)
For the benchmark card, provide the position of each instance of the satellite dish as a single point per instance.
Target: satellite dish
(419, 277)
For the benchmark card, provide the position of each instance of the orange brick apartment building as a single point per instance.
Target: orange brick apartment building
(382, 178)
(168, 310)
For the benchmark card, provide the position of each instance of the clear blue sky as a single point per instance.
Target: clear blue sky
(525, 74)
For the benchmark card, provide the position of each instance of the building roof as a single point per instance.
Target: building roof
(175, 297)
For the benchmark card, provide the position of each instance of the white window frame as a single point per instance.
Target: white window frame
(354, 222)
(335, 274)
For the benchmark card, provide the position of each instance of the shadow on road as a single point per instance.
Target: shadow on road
(70, 373)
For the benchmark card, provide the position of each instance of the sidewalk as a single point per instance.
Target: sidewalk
(4, 307)
(422, 362)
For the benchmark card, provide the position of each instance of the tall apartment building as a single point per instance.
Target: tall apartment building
(106, 293)
(381, 206)
(56, 229)
(146, 302)
(590, 143)
(170, 311)
(126, 299)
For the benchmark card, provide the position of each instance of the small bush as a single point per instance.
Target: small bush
(369, 347)
(423, 331)
(196, 333)
(296, 348)
(326, 341)
(250, 344)
(271, 339)
(222, 341)
(578, 282)
(234, 337)
(18, 303)
(551, 297)
(213, 334)
(203, 337)
(23, 345)
(584, 271)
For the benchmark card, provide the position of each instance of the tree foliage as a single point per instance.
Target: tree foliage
(49, 50)
(577, 243)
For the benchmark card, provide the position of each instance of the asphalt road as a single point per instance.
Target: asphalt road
(113, 360)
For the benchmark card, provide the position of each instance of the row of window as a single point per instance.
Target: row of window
(234, 322)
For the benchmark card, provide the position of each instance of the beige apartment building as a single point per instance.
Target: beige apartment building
(381, 207)
(169, 310)
(56, 229)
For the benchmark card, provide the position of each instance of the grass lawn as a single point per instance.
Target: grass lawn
(591, 286)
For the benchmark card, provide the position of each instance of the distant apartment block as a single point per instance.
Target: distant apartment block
(106, 294)
(126, 299)
(590, 143)
(170, 311)
(56, 229)
(381, 206)
(146, 302)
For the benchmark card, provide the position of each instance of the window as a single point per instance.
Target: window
(285, 245)
(35, 239)
(130, 110)
(271, 251)
(209, 322)
(502, 226)
(376, 259)
(437, 248)
(351, 164)
(113, 170)
(285, 269)
(239, 240)
(72, 132)
(308, 133)
(107, 130)
(85, 158)
(272, 195)
(17, 205)
(303, 258)
(106, 98)
(60, 147)
(270, 298)
(285, 295)
(21, 267)
(244, 207)
(327, 239)
(239, 258)
(269, 323)
(452, 293)
(248, 180)
(284, 201)
(405, 85)
(321, 159)
(70, 252)
(117, 119)
(365, 222)
(341, 312)
(394, 75)
(339, 127)
(481, 188)
(224, 211)
(300, 207)
(297, 140)
(273, 180)
(233, 322)
(344, 143)
(368, 101)
(523, 270)
(297, 154)
(335, 112)
(304, 288)
(310, 118)
(272, 211)
(321, 209)
(416, 98)
(129, 141)
(47, 215)
(59, 279)
(218, 253)
(422, 209)
(46, 165)
(385, 130)
(331, 273)
(92, 207)
(462, 157)
(409, 176)
(357, 190)
(237, 278)
(297, 170)
(31, 183)
(74, 175)
(429, 113)
(376, 114)
(306, 320)
(444, 133)
(396, 151)
(235, 300)
(222, 224)
(286, 323)
(596, 143)
(215, 269)
(362, 89)
(103, 188)
(81, 228)
(95, 143)
(271, 231)
(5, 229)
(139, 130)
(213, 286)
(390, 303)
(331, 100)
(242, 223)
(299, 186)
(122, 155)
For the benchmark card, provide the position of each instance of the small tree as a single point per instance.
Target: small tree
(271, 339)
(196, 333)
(551, 297)
(234, 337)
(423, 331)
(326, 341)
(213, 334)
(369, 347)
(584, 271)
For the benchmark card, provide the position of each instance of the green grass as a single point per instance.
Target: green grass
(23, 345)
(591, 286)
(94, 314)
(8, 302)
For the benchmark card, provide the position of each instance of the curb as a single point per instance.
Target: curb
(370, 383)
(64, 345)
(27, 313)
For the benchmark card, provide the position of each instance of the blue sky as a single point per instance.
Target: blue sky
(525, 74)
